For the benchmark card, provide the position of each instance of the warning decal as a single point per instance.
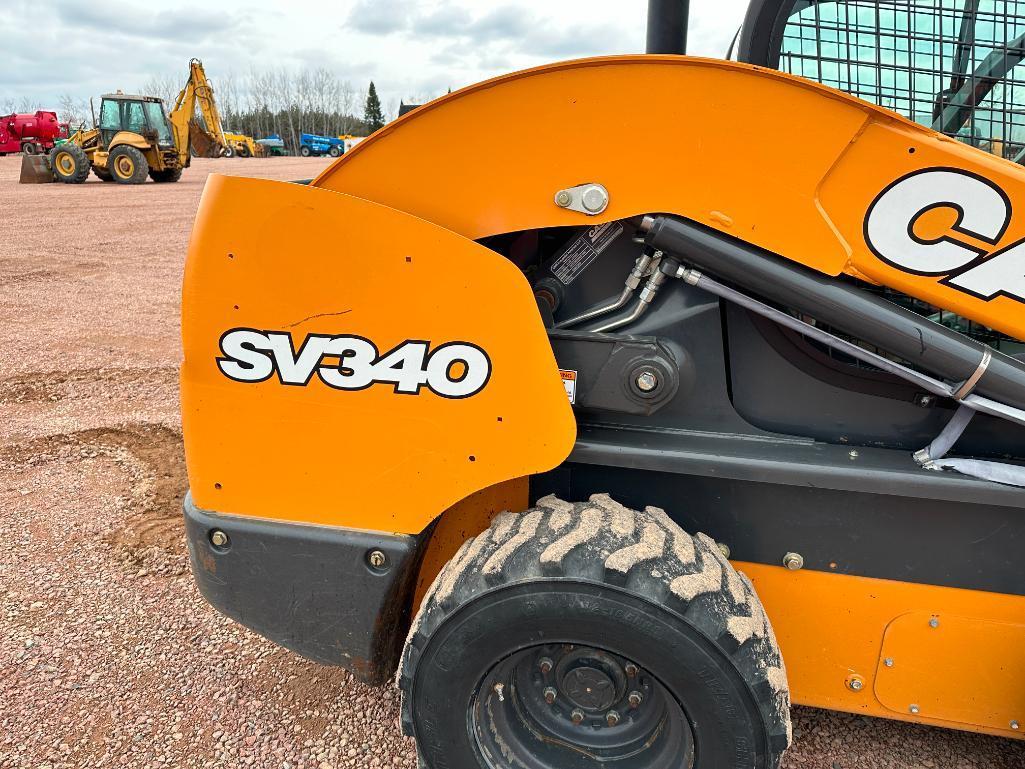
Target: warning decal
(585, 249)
(569, 381)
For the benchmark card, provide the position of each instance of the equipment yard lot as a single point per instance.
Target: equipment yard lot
(108, 654)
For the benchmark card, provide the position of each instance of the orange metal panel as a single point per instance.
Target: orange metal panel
(954, 668)
(311, 265)
(780, 162)
(833, 627)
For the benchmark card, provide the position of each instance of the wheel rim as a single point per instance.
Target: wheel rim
(65, 163)
(567, 707)
(124, 166)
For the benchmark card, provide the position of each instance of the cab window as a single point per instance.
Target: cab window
(110, 115)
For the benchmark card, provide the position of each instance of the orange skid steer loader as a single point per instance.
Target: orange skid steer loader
(581, 446)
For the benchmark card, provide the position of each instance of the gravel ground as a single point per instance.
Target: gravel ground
(108, 655)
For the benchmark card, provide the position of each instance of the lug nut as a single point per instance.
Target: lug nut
(377, 559)
(550, 694)
(218, 538)
(793, 561)
(546, 664)
(612, 718)
(631, 669)
(646, 381)
(635, 699)
(500, 691)
(577, 716)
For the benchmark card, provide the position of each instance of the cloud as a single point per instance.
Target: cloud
(380, 17)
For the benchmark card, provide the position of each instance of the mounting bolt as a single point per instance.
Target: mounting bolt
(594, 199)
(913, 709)
(724, 549)
(923, 400)
(853, 453)
(635, 699)
(563, 198)
(646, 381)
(1015, 725)
(888, 662)
(500, 691)
(577, 716)
(793, 561)
(550, 694)
(631, 669)
(855, 683)
(218, 538)
(612, 718)
(545, 664)
(934, 622)
(377, 559)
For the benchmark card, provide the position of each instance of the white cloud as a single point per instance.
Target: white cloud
(410, 48)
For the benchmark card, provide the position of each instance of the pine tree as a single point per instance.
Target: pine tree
(372, 114)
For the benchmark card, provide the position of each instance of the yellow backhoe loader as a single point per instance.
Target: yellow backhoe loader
(135, 138)
(606, 457)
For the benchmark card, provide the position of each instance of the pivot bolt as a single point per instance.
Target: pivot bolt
(646, 381)
(612, 718)
(218, 538)
(577, 716)
(563, 198)
(377, 559)
(793, 561)
(635, 699)
(545, 664)
(550, 694)
(595, 199)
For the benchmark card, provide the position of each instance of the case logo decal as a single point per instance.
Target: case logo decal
(967, 256)
(348, 362)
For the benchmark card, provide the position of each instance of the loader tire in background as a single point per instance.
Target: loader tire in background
(69, 163)
(102, 174)
(127, 165)
(30, 148)
(592, 635)
(167, 176)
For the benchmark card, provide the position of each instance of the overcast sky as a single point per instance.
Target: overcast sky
(409, 48)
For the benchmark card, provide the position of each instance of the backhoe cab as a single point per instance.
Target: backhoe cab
(132, 140)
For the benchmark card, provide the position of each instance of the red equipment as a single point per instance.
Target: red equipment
(31, 134)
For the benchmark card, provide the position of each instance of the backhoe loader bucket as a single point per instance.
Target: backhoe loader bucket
(35, 169)
(204, 145)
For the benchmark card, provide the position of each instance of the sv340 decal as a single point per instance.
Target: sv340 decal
(348, 362)
(983, 213)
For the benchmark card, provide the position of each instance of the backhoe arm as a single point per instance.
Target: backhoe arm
(197, 91)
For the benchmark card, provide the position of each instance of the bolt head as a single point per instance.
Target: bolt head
(545, 664)
(218, 538)
(934, 622)
(888, 662)
(577, 716)
(631, 669)
(377, 559)
(594, 199)
(793, 561)
(855, 683)
(635, 699)
(646, 381)
(550, 694)
(612, 718)
(853, 453)
(563, 198)
(1015, 725)
(913, 709)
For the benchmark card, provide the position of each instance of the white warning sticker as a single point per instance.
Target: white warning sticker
(584, 250)
(569, 381)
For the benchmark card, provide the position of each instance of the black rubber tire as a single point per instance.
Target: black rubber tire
(243, 151)
(305, 151)
(78, 171)
(102, 174)
(167, 176)
(597, 573)
(30, 148)
(140, 168)
(334, 151)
